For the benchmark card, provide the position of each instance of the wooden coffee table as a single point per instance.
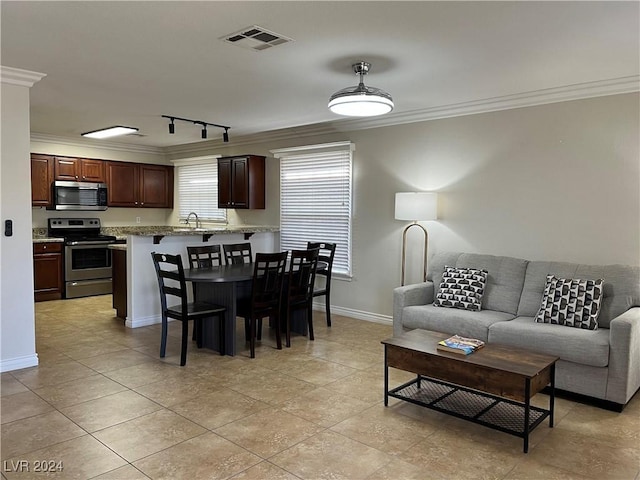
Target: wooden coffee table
(492, 387)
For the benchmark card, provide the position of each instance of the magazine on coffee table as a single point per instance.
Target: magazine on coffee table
(460, 345)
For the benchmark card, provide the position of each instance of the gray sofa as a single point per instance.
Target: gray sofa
(603, 363)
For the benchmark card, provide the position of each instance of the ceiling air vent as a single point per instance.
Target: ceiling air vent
(256, 38)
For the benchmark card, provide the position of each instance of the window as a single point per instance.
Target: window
(315, 198)
(198, 189)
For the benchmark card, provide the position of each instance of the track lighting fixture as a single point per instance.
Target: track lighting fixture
(203, 132)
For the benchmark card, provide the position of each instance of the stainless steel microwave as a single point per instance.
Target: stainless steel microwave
(79, 195)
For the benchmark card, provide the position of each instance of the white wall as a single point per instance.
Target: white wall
(556, 182)
(17, 321)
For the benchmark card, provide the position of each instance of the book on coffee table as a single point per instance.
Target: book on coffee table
(461, 345)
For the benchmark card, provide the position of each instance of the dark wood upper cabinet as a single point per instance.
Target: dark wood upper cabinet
(139, 185)
(241, 182)
(92, 170)
(41, 179)
(122, 184)
(79, 169)
(128, 184)
(156, 186)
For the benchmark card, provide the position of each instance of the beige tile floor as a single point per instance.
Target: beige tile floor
(105, 406)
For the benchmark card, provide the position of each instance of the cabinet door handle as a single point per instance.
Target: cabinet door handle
(76, 176)
(65, 162)
(141, 203)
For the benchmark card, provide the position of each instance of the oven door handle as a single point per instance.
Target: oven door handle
(89, 242)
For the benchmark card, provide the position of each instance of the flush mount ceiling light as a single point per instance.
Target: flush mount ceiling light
(361, 101)
(110, 132)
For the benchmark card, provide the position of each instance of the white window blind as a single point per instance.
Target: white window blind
(315, 198)
(198, 189)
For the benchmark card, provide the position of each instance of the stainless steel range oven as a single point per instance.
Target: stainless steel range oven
(87, 256)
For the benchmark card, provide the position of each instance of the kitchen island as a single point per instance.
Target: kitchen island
(143, 298)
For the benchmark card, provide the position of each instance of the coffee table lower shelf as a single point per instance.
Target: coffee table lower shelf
(478, 407)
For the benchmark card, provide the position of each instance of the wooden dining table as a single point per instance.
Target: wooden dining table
(225, 285)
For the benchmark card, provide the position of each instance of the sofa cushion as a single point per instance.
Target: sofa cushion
(621, 287)
(437, 264)
(461, 288)
(453, 321)
(504, 281)
(587, 347)
(571, 302)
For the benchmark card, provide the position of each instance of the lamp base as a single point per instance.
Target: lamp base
(424, 252)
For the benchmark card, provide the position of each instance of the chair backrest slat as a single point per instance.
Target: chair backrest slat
(237, 253)
(169, 267)
(326, 254)
(205, 256)
(268, 278)
(302, 274)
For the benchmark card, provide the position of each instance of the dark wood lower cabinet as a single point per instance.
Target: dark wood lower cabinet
(119, 282)
(48, 277)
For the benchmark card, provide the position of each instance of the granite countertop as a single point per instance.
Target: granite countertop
(182, 230)
(45, 239)
(39, 235)
(121, 233)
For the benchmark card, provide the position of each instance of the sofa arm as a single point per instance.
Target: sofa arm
(416, 294)
(624, 356)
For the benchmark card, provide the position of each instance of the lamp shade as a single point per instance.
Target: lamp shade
(416, 206)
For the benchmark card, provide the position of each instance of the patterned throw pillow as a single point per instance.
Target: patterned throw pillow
(461, 288)
(571, 302)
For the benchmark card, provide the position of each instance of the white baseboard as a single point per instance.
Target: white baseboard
(143, 321)
(357, 314)
(19, 362)
(347, 312)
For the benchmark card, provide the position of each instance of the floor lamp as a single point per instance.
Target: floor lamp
(416, 206)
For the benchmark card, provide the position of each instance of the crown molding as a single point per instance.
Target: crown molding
(203, 148)
(75, 142)
(614, 86)
(578, 91)
(17, 76)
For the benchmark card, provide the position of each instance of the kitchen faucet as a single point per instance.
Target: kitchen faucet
(197, 219)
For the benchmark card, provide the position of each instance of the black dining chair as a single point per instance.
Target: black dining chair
(204, 256)
(171, 282)
(237, 253)
(327, 252)
(301, 279)
(266, 296)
